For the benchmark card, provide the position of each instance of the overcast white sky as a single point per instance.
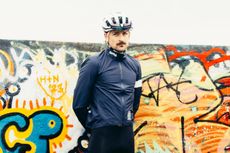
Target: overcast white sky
(201, 22)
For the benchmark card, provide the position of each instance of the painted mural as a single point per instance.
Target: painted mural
(185, 104)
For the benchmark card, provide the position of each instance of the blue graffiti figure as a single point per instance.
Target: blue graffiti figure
(46, 125)
(21, 122)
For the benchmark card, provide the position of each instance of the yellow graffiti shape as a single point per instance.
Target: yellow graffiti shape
(13, 136)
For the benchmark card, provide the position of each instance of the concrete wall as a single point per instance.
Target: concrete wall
(184, 105)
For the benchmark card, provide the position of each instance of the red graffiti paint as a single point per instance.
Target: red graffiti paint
(202, 56)
(225, 81)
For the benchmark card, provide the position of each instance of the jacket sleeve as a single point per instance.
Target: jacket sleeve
(84, 89)
(137, 90)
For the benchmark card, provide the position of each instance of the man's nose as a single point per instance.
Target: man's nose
(121, 37)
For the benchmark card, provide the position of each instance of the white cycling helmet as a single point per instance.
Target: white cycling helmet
(116, 21)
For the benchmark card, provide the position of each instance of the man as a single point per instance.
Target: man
(108, 91)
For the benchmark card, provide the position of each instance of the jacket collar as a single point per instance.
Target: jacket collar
(116, 54)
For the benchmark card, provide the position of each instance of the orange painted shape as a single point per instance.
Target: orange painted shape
(69, 125)
(68, 137)
(37, 103)
(203, 78)
(16, 103)
(44, 101)
(9, 60)
(31, 104)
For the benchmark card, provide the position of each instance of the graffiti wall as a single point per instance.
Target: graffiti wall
(184, 105)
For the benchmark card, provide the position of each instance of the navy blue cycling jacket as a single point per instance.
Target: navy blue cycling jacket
(108, 90)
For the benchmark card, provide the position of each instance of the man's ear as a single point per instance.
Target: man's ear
(106, 34)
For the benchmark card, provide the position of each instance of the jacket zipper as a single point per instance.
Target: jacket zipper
(122, 97)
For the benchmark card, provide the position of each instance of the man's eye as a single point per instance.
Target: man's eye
(125, 33)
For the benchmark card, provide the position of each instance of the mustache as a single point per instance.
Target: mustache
(121, 43)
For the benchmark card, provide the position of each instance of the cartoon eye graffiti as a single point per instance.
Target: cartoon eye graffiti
(52, 123)
(12, 89)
